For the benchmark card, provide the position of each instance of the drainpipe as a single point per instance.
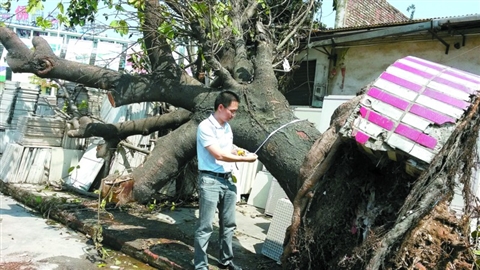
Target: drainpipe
(469, 18)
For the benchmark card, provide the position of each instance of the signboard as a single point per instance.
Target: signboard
(108, 55)
(79, 50)
(55, 44)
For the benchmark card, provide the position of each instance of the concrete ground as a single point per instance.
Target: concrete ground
(28, 241)
(163, 239)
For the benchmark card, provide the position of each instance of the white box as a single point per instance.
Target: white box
(275, 193)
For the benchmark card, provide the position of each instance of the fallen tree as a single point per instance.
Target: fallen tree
(350, 211)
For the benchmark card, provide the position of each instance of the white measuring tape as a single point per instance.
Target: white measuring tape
(273, 132)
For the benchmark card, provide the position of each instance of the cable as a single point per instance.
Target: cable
(273, 132)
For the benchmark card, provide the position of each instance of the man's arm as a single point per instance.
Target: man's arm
(227, 156)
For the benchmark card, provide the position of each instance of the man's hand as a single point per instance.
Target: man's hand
(251, 157)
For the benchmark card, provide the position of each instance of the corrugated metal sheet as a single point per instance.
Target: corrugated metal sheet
(87, 169)
(380, 25)
(22, 164)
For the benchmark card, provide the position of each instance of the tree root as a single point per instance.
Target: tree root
(316, 164)
(435, 184)
(431, 198)
(304, 195)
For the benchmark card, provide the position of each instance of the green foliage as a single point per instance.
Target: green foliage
(60, 7)
(80, 11)
(34, 6)
(138, 4)
(70, 170)
(82, 105)
(475, 236)
(214, 18)
(63, 19)
(167, 29)
(120, 26)
(140, 64)
(411, 9)
(103, 204)
(43, 23)
(6, 5)
(38, 199)
(152, 206)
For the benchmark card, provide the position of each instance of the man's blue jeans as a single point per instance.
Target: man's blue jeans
(215, 192)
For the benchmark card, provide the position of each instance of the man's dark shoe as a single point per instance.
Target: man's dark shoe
(230, 266)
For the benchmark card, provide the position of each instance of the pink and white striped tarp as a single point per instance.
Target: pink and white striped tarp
(413, 107)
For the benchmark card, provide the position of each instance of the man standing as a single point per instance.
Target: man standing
(215, 153)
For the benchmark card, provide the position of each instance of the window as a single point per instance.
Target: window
(300, 89)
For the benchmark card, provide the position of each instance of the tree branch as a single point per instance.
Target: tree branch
(243, 69)
(249, 11)
(264, 56)
(87, 128)
(44, 63)
(179, 90)
(158, 49)
(297, 26)
(209, 54)
(171, 153)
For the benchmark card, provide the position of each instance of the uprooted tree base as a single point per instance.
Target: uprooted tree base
(342, 239)
(368, 213)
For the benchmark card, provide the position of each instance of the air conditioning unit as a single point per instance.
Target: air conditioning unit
(282, 218)
(275, 193)
(319, 92)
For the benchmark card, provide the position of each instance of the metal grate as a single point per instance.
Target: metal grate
(282, 218)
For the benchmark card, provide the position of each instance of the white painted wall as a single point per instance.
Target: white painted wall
(313, 115)
(363, 64)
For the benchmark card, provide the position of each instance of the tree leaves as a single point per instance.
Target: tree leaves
(138, 4)
(34, 6)
(167, 29)
(80, 11)
(120, 26)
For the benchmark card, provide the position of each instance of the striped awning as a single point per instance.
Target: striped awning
(413, 106)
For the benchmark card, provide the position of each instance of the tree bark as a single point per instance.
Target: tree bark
(86, 127)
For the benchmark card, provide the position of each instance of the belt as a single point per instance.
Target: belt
(221, 175)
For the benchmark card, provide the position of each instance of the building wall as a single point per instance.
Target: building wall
(368, 12)
(363, 64)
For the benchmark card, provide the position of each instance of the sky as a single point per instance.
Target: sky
(423, 9)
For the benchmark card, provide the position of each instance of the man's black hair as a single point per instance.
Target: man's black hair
(225, 98)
